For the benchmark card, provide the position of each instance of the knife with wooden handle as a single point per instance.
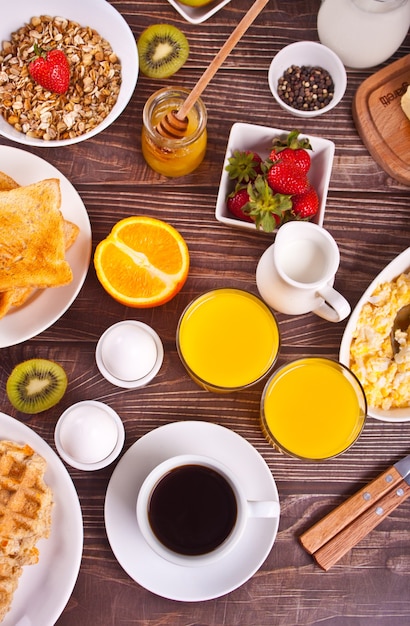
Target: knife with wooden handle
(345, 526)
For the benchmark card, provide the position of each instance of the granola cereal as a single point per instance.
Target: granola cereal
(94, 85)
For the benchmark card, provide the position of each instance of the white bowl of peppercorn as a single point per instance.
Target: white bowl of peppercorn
(307, 79)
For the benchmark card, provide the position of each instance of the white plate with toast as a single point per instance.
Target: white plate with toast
(46, 306)
(45, 588)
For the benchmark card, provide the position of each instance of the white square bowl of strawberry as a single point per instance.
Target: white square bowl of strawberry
(271, 176)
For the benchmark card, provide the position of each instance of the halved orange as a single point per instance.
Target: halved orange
(144, 262)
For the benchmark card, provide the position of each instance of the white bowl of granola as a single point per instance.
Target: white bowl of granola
(103, 59)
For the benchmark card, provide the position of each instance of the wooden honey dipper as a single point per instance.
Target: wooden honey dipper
(175, 123)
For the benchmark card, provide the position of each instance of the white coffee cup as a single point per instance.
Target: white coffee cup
(168, 495)
(295, 275)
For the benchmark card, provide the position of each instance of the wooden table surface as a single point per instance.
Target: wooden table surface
(368, 214)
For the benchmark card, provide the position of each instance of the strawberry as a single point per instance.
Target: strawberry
(236, 202)
(292, 149)
(305, 205)
(244, 166)
(50, 70)
(301, 159)
(267, 209)
(298, 157)
(284, 177)
(258, 203)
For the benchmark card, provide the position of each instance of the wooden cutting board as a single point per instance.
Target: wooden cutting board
(380, 120)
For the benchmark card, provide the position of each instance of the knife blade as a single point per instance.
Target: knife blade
(358, 514)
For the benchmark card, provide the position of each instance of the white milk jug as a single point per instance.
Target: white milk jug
(295, 275)
(363, 33)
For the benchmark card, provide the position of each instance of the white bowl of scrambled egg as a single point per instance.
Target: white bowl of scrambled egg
(366, 345)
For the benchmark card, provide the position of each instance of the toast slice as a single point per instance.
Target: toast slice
(6, 182)
(32, 247)
(17, 296)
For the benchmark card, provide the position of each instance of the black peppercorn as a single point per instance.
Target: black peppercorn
(306, 88)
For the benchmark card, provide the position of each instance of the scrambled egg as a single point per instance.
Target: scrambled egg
(385, 376)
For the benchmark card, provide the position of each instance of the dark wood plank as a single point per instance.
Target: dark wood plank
(367, 212)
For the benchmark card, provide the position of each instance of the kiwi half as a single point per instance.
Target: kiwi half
(162, 50)
(36, 385)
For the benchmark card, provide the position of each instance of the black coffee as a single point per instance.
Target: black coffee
(192, 510)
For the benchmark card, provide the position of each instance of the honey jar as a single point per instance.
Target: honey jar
(173, 157)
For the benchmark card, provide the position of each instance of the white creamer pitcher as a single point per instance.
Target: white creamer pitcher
(363, 33)
(295, 275)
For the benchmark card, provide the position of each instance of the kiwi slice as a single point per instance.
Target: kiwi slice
(36, 385)
(162, 50)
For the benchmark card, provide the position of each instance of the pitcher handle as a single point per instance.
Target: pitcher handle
(335, 307)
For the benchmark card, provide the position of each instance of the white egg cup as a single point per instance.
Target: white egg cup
(129, 354)
(89, 435)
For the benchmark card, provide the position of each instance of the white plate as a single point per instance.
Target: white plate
(45, 588)
(196, 15)
(259, 138)
(46, 306)
(399, 265)
(132, 552)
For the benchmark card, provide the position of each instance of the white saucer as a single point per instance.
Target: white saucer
(132, 552)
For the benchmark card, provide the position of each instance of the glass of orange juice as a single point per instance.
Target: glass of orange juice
(227, 339)
(168, 156)
(313, 408)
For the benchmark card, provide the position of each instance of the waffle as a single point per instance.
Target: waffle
(25, 514)
(10, 573)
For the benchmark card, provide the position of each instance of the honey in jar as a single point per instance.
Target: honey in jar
(173, 157)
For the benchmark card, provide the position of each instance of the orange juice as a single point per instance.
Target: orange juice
(227, 339)
(173, 157)
(313, 408)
